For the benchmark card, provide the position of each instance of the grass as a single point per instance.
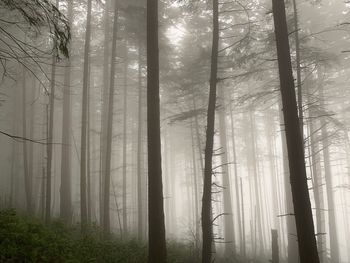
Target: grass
(26, 239)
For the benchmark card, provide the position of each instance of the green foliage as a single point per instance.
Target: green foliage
(25, 239)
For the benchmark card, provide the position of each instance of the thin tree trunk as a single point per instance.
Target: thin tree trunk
(333, 234)
(65, 189)
(317, 182)
(229, 235)
(293, 254)
(103, 138)
(83, 155)
(195, 187)
(107, 178)
(156, 232)
(298, 70)
(125, 113)
(301, 200)
(207, 224)
(27, 180)
(254, 161)
(139, 151)
(235, 167)
(243, 225)
(49, 141)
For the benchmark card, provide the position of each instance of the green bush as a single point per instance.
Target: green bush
(26, 239)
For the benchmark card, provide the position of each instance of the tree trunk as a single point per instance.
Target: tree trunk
(275, 250)
(229, 235)
(104, 112)
(27, 179)
(235, 166)
(156, 231)
(254, 163)
(139, 151)
(49, 140)
(84, 121)
(207, 224)
(107, 178)
(333, 235)
(125, 114)
(65, 190)
(298, 69)
(301, 200)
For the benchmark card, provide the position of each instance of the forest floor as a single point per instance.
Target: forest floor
(27, 239)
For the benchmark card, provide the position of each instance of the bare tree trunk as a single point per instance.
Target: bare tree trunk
(27, 179)
(65, 189)
(317, 182)
(275, 250)
(254, 162)
(234, 153)
(195, 187)
(125, 113)
(243, 224)
(298, 69)
(229, 235)
(103, 138)
(49, 141)
(107, 178)
(84, 121)
(301, 200)
(156, 232)
(139, 150)
(207, 224)
(333, 234)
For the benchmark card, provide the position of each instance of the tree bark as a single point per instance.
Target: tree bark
(207, 224)
(139, 151)
(156, 232)
(27, 178)
(107, 178)
(84, 121)
(333, 234)
(229, 235)
(301, 200)
(65, 189)
(125, 113)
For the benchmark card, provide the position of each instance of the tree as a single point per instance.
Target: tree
(156, 229)
(84, 121)
(65, 190)
(107, 176)
(301, 200)
(207, 223)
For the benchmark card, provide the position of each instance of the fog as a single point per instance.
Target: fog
(247, 134)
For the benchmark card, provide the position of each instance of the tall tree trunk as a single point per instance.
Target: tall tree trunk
(195, 187)
(125, 114)
(65, 189)
(317, 181)
(333, 234)
(103, 138)
(207, 224)
(237, 183)
(83, 161)
(243, 224)
(107, 177)
(50, 139)
(301, 200)
(156, 232)
(229, 235)
(293, 254)
(26, 173)
(298, 68)
(258, 200)
(139, 150)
